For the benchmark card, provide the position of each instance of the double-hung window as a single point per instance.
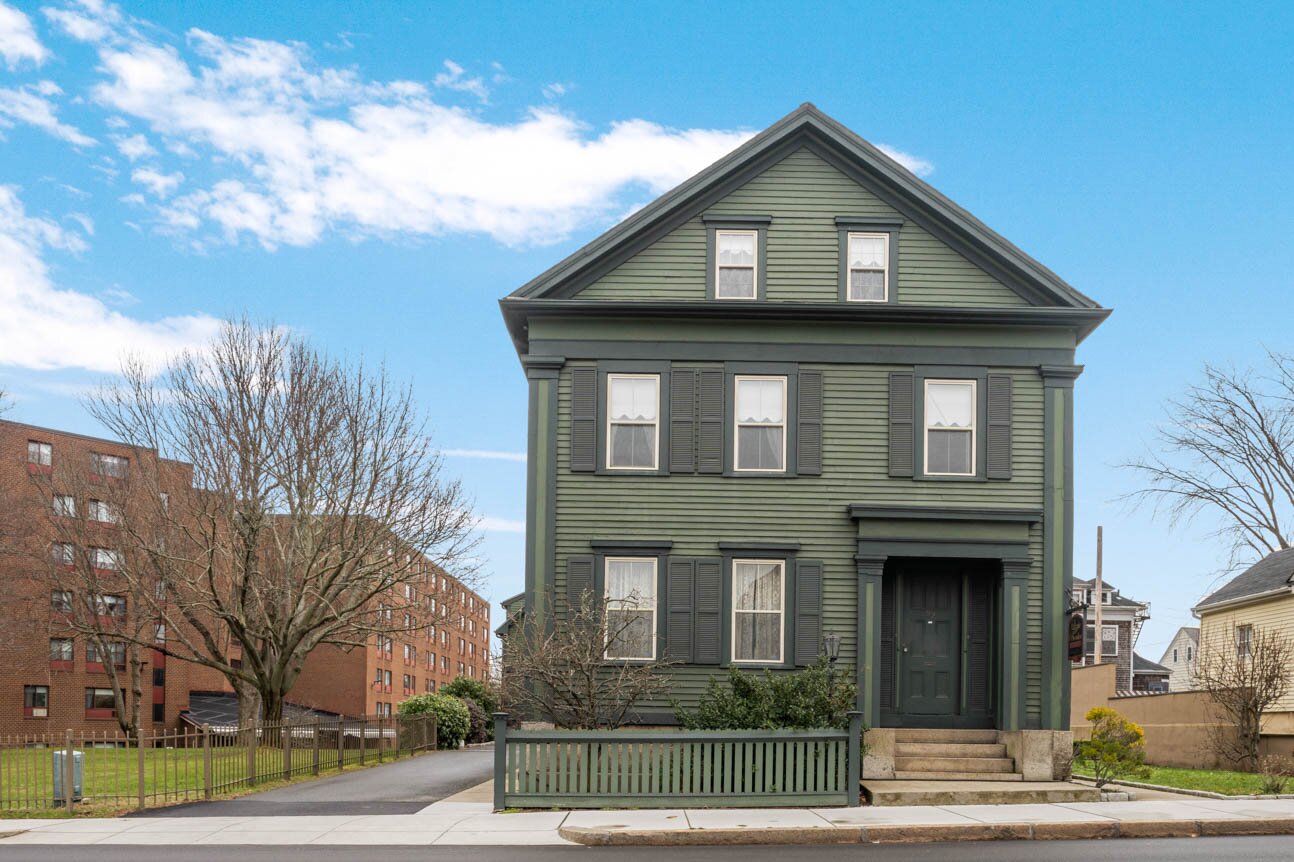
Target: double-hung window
(736, 263)
(1109, 641)
(64, 553)
(633, 432)
(60, 649)
(1244, 641)
(869, 270)
(106, 559)
(40, 454)
(950, 427)
(631, 608)
(35, 701)
(65, 506)
(104, 512)
(759, 442)
(758, 610)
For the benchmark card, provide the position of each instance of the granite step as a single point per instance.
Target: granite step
(900, 775)
(975, 792)
(949, 749)
(947, 737)
(958, 765)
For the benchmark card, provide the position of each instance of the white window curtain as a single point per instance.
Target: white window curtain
(761, 423)
(950, 427)
(757, 603)
(868, 262)
(633, 406)
(736, 265)
(631, 608)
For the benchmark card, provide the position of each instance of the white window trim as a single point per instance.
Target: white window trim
(974, 428)
(655, 602)
(737, 425)
(655, 423)
(781, 613)
(849, 270)
(754, 265)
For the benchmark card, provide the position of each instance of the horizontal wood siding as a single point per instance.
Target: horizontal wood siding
(696, 512)
(1217, 632)
(803, 194)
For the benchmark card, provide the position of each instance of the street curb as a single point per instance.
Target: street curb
(1188, 791)
(898, 833)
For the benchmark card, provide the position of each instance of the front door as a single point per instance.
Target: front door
(929, 644)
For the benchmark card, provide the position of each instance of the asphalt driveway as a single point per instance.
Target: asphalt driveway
(403, 787)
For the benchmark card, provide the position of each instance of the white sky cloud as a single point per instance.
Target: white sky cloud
(916, 164)
(18, 42)
(45, 327)
(293, 150)
(157, 182)
(135, 147)
(486, 454)
(32, 105)
(501, 525)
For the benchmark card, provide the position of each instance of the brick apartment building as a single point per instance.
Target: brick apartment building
(51, 679)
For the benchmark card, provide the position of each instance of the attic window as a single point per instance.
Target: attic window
(869, 267)
(736, 264)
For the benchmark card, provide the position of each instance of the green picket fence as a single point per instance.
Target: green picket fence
(668, 769)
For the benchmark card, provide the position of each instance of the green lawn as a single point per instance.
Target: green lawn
(110, 776)
(1213, 780)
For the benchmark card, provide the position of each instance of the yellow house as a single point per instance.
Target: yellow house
(1260, 599)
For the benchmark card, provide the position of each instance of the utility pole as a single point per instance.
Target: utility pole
(1097, 595)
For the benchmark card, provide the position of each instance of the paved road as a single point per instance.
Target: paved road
(1273, 849)
(403, 787)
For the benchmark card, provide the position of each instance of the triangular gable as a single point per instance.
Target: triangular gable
(807, 127)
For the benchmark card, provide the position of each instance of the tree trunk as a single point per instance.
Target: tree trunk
(249, 702)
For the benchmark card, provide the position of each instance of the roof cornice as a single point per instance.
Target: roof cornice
(516, 311)
(1238, 601)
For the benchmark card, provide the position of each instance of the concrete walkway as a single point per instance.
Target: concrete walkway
(466, 819)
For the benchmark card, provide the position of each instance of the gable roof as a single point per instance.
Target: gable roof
(1117, 600)
(1143, 665)
(808, 126)
(1272, 574)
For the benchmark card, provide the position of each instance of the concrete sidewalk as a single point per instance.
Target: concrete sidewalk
(466, 819)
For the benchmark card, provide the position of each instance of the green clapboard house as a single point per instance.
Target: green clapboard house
(805, 393)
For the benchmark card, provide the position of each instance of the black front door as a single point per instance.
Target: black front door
(929, 643)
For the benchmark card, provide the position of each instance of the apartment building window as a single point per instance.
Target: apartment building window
(460, 668)
(409, 683)
(377, 676)
(471, 670)
(429, 684)
(65, 506)
(758, 602)
(112, 466)
(100, 703)
(633, 433)
(61, 601)
(410, 654)
(64, 553)
(61, 650)
(736, 263)
(462, 647)
(104, 512)
(760, 432)
(35, 701)
(1244, 641)
(431, 633)
(106, 559)
(868, 267)
(116, 654)
(431, 661)
(410, 623)
(40, 454)
(950, 427)
(631, 608)
(471, 650)
(444, 663)
(110, 606)
(444, 637)
(410, 593)
(159, 633)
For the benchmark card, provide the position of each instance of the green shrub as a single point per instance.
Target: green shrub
(453, 719)
(1116, 748)
(804, 699)
(466, 686)
(479, 725)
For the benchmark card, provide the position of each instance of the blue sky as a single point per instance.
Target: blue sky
(377, 175)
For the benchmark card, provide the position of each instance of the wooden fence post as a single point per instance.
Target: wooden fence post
(139, 744)
(316, 743)
(853, 791)
(251, 754)
(207, 781)
(500, 759)
(69, 793)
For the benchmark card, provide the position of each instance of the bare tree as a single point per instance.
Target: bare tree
(1245, 671)
(1227, 448)
(564, 676)
(317, 511)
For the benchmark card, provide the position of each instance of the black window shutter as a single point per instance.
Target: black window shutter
(808, 611)
(682, 420)
(584, 419)
(808, 459)
(999, 427)
(579, 581)
(678, 620)
(709, 448)
(902, 430)
(709, 610)
(887, 643)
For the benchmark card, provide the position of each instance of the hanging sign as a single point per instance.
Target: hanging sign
(1077, 624)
